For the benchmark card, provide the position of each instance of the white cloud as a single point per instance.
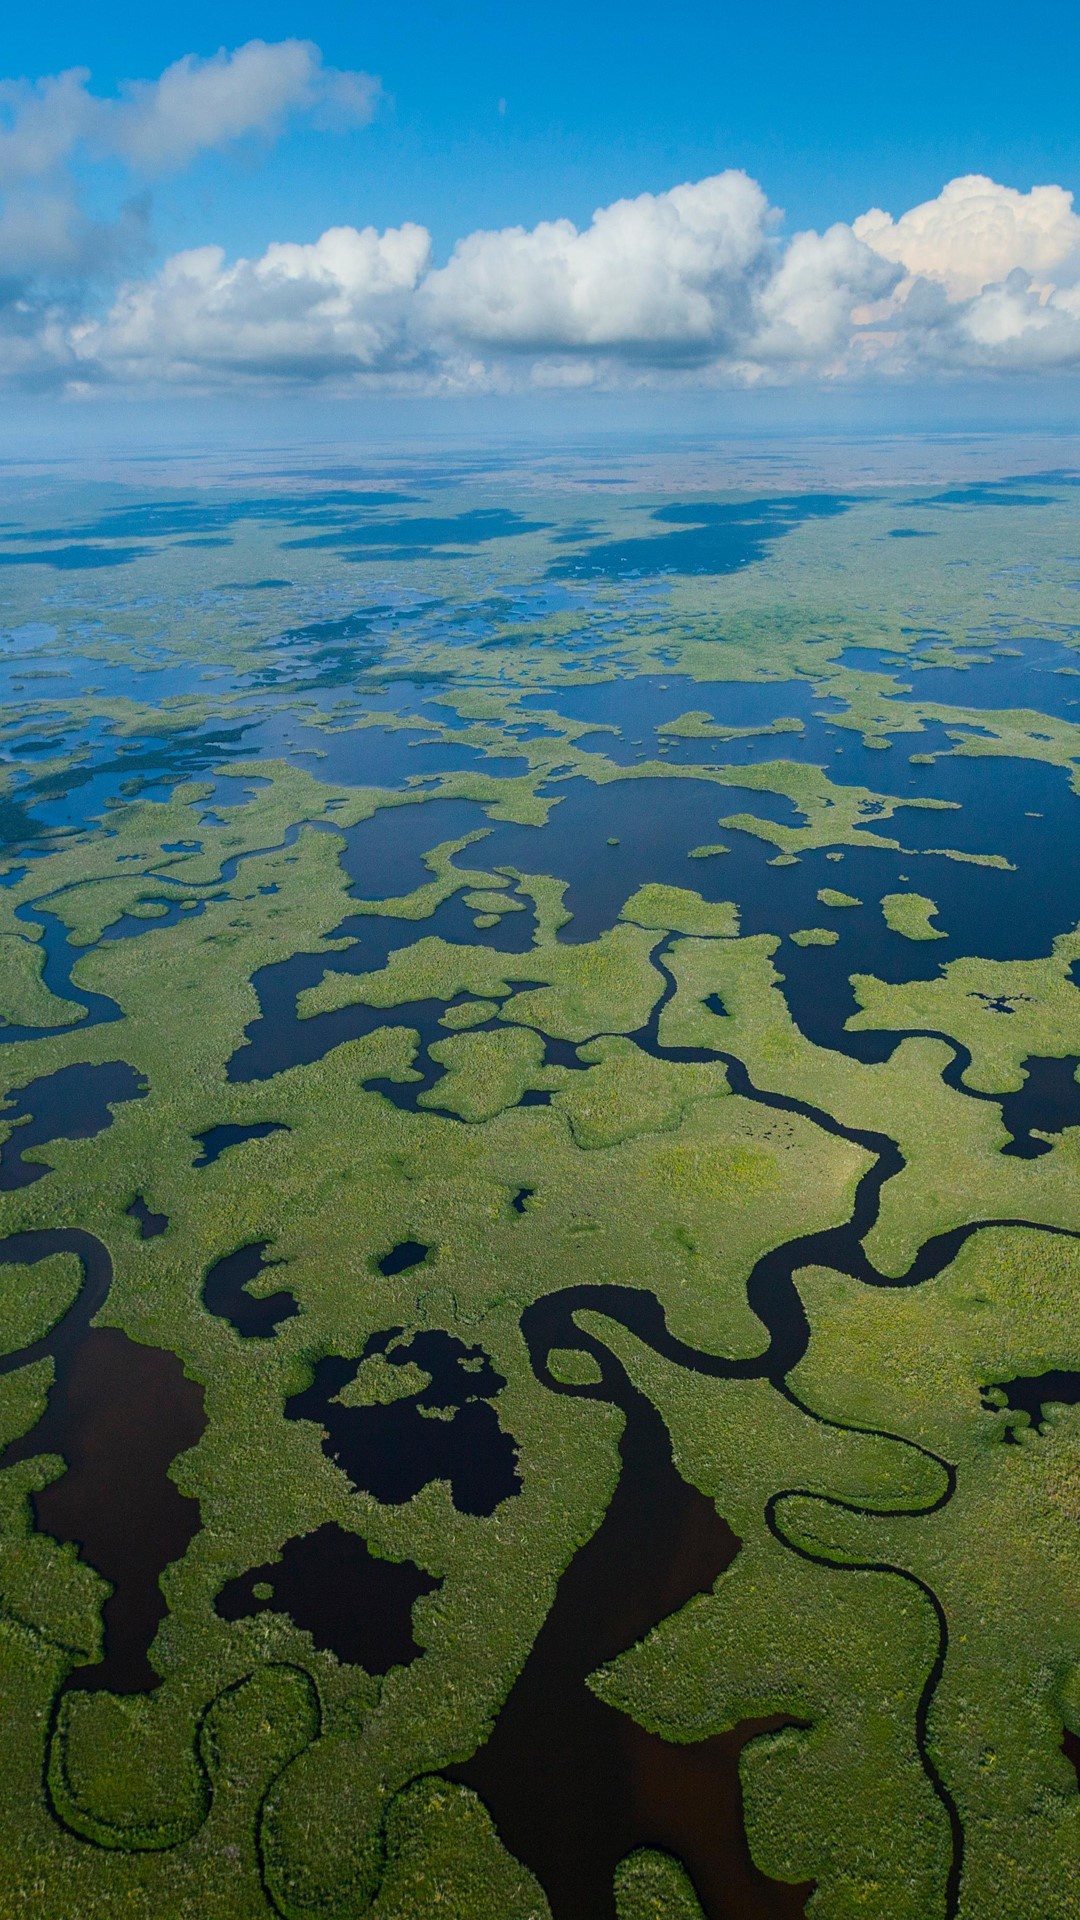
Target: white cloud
(200, 104)
(1015, 327)
(696, 284)
(692, 284)
(991, 282)
(42, 122)
(976, 233)
(56, 260)
(334, 309)
(688, 281)
(195, 105)
(666, 274)
(805, 312)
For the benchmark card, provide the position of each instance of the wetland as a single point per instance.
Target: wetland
(539, 1221)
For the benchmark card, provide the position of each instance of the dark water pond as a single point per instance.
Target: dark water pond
(217, 1140)
(225, 1294)
(352, 1603)
(1033, 1393)
(448, 1430)
(400, 1259)
(1048, 1101)
(119, 1414)
(150, 1224)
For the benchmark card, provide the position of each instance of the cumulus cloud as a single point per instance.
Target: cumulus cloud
(990, 282)
(666, 274)
(56, 261)
(805, 313)
(695, 284)
(976, 233)
(336, 308)
(689, 281)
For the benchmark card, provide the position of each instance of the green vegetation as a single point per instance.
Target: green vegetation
(678, 910)
(700, 726)
(1002, 1011)
(653, 1886)
(833, 815)
(893, 1509)
(1006, 1306)
(848, 1665)
(35, 1297)
(911, 914)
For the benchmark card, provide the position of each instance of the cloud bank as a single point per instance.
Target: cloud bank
(698, 285)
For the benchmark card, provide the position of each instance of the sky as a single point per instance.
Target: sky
(436, 200)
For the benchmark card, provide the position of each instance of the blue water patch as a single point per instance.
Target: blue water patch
(373, 756)
(420, 535)
(712, 538)
(74, 1103)
(217, 1140)
(985, 493)
(1043, 675)
(75, 559)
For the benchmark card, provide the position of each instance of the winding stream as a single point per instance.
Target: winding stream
(573, 1785)
(606, 1803)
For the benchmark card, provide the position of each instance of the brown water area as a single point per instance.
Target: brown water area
(573, 1784)
(119, 1413)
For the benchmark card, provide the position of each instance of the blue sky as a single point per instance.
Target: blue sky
(252, 129)
(833, 107)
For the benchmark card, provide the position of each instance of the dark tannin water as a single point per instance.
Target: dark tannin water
(349, 1601)
(225, 1294)
(1033, 1393)
(393, 1451)
(150, 1224)
(575, 1785)
(217, 1140)
(119, 1413)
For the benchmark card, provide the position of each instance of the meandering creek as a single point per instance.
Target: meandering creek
(572, 1784)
